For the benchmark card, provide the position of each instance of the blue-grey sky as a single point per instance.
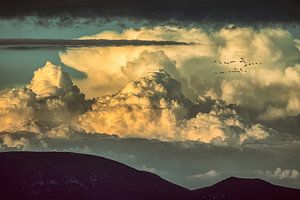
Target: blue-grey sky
(29, 28)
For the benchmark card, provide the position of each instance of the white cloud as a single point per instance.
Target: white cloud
(270, 88)
(50, 81)
(206, 175)
(17, 108)
(297, 43)
(21, 143)
(50, 101)
(105, 66)
(279, 173)
(223, 126)
(150, 107)
(153, 107)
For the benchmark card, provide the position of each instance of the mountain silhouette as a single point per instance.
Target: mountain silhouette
(234, 188)
(63, 175)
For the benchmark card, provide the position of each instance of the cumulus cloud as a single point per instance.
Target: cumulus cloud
(207, 125)
(154, 107)
(49, 101)
(148, 61)
(151, 106)
(297, 43)
(271, 88)
(17, 108)
(279, 173)
(21, 143)
(143, 88)
(148, 107)
(109, 69)
(208, 174)
(50, 81)
(223, 125)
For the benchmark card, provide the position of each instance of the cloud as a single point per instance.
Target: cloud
(49, 101)
(160, 33)
(21, 143)
(105, 66)
(148, 61)
(208, 174)
(142, 87)
(50, 81)
(269, 89)
(25, 44)
(195, 11)
(297, 43)
(224, 125)
(279, 173)
(17, 109)
(148, 107)
(151, 106)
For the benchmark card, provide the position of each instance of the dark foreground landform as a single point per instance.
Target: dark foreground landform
(62, 175)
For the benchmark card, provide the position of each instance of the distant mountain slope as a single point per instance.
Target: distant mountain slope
(61, 175)
(246, 189)
(54, 175)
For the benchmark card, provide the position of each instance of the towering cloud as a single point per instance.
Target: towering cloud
(17, 108)
(166, 92)
(151, 106)
(50, 81)
(144, 123)
(269, 88)
(49, 101)
(154, 107)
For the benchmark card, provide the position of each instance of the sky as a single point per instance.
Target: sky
(222, 99)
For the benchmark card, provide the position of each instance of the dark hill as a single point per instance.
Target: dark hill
(246, 189)
(61, 175)
(68, 176)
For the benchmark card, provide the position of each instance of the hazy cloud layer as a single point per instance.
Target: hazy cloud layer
(29, 44)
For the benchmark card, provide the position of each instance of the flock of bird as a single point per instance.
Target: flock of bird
(242, 66)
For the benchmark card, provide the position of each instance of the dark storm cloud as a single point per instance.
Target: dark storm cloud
(28, 44)
(190, 10)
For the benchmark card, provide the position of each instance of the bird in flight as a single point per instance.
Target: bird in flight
(240, 68)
